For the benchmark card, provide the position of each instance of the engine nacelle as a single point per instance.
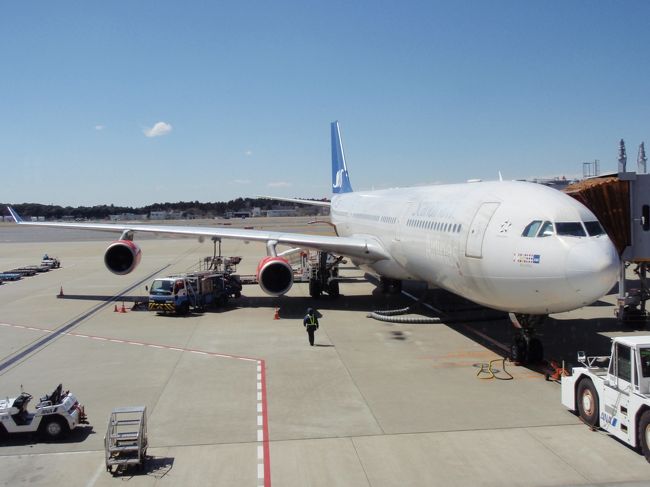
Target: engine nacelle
(275, 275)
(122, 257)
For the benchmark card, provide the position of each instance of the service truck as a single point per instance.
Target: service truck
(613, 392)
(196, 291)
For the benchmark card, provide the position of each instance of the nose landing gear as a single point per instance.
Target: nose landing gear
(526, 348)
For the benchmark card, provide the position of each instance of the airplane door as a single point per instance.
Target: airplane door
(401, 227)
(476, 234)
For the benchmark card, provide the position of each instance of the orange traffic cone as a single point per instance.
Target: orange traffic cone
(60, 292)
(277, 313)
(123, 309)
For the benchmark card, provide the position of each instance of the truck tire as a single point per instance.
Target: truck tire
(644, 434)
(184, 309)
(587, 399)
(54, 428)
(3, 431)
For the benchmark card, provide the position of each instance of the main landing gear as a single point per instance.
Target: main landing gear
(526, 348)
(390, 286)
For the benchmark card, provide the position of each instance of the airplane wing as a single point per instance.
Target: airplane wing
(363, 249)
(298, 201)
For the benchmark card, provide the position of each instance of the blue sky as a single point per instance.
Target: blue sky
(239, 95)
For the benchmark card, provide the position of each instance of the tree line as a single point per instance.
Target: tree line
(188, 208)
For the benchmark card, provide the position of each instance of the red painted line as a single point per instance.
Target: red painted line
(265, 428)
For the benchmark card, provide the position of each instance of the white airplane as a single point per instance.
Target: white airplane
(513, 246)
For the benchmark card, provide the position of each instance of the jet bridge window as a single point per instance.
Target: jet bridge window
(570, 229)
(594, 229)
(531, 229)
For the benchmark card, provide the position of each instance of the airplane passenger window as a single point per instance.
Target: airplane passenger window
(531, 229)
(594, 229)
(546, 230)
(570, 229)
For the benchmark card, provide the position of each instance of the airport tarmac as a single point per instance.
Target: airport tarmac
(237, 398)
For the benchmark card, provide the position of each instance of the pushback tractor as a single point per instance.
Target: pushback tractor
(613, 392)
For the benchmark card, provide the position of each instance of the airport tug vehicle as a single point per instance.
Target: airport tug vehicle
(613, 392)
(55, 416)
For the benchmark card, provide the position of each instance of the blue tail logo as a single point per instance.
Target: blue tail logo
(340, 178)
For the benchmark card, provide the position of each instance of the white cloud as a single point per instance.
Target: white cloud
(241, 181)
(248, 153)
(279, 184)
(100, 127)
(160, 128)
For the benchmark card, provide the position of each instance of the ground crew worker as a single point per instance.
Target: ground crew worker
(311, 324)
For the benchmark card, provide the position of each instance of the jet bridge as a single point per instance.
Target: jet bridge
(622, 204)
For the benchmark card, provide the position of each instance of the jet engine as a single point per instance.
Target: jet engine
(275, 275)
(122, 257)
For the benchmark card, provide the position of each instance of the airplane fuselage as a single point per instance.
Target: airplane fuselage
(485, 241)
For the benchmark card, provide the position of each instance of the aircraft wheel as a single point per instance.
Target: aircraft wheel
(644, 434)
(333, 289)
(588, 402)
(518, 350)
(315, 289)
(535, 351)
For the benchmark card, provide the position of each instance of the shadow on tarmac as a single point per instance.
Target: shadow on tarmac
(156, 467)
(77, 435)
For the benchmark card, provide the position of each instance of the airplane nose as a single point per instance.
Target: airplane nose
(592, 268)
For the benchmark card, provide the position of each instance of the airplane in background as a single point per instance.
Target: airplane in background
(514, 246)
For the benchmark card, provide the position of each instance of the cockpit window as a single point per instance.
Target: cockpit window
(546, 230)
(531, 229)
(594, 229)
(570, 229)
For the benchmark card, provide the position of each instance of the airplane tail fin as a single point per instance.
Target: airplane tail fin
(340, 178)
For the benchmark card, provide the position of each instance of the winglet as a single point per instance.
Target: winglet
(340, 178)
(14, 215)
